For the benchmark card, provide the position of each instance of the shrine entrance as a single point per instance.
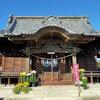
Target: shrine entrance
(52, 55)
(53, 68)
(50, 69)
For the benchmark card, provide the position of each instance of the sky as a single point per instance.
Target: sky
(89, 8)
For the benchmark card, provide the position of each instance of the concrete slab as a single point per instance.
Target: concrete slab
(56, 92)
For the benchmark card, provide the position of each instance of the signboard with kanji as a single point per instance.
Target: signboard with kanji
(76, 72)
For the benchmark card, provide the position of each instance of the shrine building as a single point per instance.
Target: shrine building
(48, 44)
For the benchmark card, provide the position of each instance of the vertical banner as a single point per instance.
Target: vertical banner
(76, 72)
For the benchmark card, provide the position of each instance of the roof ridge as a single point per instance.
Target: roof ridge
(39, 17)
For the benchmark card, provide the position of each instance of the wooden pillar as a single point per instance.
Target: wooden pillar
(0, 80)
(20, 65)
(52, 68)
(74, 57)
(27, 60)
(12, 63)
(91, 78)
(3, 62)
(8, 80)
(19, 79)
(44, 76)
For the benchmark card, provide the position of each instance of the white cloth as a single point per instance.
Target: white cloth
(33, 72)
(28, 74)
(97, 61)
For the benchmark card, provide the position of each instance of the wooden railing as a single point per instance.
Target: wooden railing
(11, 72)
(92, 74)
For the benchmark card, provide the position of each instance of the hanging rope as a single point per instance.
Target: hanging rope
(52, 58)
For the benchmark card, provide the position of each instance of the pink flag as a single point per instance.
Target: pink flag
(76, 72)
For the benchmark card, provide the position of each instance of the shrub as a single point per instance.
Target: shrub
(17, 90)
(19, 84)
(84, 82)
(81, 71)
(32, 79)
(26, 89)
(22, 76)
(23, 85)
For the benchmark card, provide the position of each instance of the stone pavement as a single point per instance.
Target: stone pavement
(53, 92)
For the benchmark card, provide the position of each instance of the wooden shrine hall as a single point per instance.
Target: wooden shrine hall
(48, 44)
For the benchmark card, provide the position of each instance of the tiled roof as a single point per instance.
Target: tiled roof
(2, 33)
(31, 24)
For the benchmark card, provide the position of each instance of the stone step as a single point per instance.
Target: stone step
(56, 82)
(58, 79)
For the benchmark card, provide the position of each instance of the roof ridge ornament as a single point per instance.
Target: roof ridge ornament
(10, 18)
(52, 20)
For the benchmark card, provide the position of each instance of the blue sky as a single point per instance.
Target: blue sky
(89, 8)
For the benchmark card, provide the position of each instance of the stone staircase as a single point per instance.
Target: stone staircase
(55, 78)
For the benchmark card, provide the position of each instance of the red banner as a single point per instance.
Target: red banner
(76, 72)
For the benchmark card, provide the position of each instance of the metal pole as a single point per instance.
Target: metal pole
(79, 89)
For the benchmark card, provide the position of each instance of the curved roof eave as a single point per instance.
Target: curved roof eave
(3, 32)
(26, 25)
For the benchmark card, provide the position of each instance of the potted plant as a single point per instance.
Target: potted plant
(23, 86)
(81, 71)
(83, 79)
(26, 89)
(84, 82)
(22, 76)
(32, 79)
(17, 89)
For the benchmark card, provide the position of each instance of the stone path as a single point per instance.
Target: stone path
(57, 92)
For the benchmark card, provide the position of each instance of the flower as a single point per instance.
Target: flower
(19, 85)
(23, 74)
(33, 72)
(84, 78)
(26, 84)
(81, 70)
